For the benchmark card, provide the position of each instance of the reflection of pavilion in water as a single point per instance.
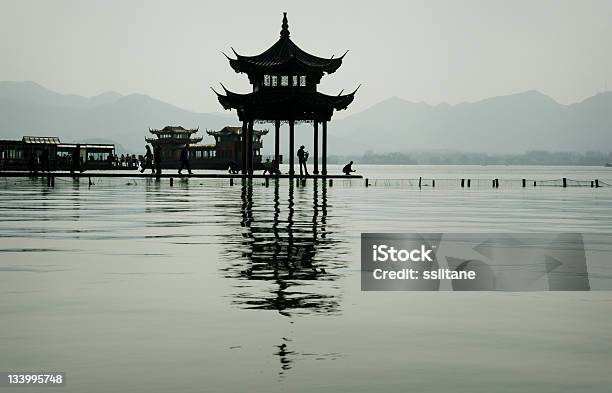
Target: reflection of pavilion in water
(277, 258)
(278, 265)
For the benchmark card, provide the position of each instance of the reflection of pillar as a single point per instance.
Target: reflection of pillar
(277, 238)
(247, 208)
(277, 141)
(291, 212)
(324, 148)
(315, 209)
(316, 147)
(250, 148)
(244, 147)
(323, 208)
(291, 147)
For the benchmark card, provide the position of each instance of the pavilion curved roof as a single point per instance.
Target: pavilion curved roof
(283, 53)
(274, 104)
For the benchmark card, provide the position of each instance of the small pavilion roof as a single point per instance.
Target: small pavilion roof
(174, 129)
(234, 130)
(49, 140)
(282, 54)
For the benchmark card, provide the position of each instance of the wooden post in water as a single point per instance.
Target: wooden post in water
(524, 183)
(462, 181)
(324, 150)
(315, 143)
(469, 183)
(231, 181)
(433, 182)
(90, 183)
(564, 182)
(267, 182)
(420, 181)
(250, 148)
(331, 182)
(493, 181)
(244, 135)
(496, 183)
(534, 183)
(592, 184)
(277, 141)
(171, 181)
(366, 182)
(596, 183)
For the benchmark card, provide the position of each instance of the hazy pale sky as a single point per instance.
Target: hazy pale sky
(432, 51)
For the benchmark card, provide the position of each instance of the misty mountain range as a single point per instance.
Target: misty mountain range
(498, 125)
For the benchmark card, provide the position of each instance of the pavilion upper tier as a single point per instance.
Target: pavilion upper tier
(283, 56)
(285, 79)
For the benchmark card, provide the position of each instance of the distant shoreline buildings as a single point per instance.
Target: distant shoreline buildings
(26, 153)
(227, 147)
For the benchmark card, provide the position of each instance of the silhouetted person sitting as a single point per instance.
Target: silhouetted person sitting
(302, 157)
(348, 168)
(185, 160)
(157, 160)
(233, 167)
(148, 160)
(44, 159)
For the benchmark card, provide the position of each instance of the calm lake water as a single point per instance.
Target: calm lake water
(134, 286)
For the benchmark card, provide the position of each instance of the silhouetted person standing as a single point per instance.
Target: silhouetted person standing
(348, 168)
(302, 157)
(157, 159)
(76, 159)
(33, 163)
(275, 168)
(44, 159)
(148, 160)
(185, 159)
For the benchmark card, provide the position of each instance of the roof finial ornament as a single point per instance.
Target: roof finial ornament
(285, 26)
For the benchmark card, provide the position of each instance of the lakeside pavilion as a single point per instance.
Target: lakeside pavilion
(284, 80)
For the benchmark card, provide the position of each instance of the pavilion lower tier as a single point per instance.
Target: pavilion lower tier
(247, 145)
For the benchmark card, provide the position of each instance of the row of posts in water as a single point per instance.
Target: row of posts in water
(494, 183)
(464, 182)
(302, 181)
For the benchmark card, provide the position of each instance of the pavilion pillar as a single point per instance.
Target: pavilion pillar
(324, 150)
(250, 148)
(244, 147)
(316, 147)
(291, 147)
(277, 141)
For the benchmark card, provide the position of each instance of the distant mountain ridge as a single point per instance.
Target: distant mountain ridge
(498, 125)
(27, 108)
(31, 92)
